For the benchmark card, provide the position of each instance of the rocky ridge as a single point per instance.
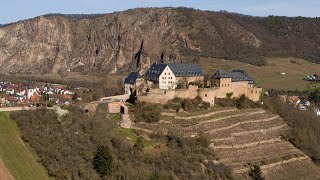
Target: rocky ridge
(108, 43)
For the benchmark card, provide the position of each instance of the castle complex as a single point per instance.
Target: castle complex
(163, 82)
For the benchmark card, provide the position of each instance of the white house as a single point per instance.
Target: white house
(168, 75)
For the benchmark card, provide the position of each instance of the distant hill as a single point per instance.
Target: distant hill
(107, 43)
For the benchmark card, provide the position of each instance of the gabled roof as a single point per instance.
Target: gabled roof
(132, 77)
(236, 75)
(240, 75)
(185, 69)
(221, 74)
(155, 71)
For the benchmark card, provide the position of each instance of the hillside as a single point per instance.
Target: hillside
(58, 45)
(16, 156)
(242, 138)
(269, 76)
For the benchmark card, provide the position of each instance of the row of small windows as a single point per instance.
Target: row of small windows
(188, 73)
(154, 72)
(166, 78)
(256, 91)
(169, 82)
(225, 85)
(166, 73)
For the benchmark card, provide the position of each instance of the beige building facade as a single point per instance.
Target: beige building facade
(167, 80)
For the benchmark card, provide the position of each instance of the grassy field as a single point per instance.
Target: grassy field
(269, 77)
(16, 155)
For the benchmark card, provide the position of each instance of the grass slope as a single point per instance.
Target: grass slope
(269, 77)
(16, 156)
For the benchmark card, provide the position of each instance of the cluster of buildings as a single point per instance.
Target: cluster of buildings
(21, 94)
(298, 102)
(303, 104)
(162, 82)
(312, 78)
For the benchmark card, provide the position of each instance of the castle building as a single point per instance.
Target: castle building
(237, 82)
(171, 76)
(221, 84)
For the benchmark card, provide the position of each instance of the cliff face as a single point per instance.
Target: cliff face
(104, 44)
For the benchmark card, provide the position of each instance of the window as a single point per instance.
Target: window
(205, 95)
(169, 73)
(165, 73)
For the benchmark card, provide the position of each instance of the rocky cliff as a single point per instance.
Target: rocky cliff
(109, 43)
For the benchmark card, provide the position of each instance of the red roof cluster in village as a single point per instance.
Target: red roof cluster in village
(20, 94)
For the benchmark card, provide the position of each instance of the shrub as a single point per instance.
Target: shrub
(187, 105)
(243, 102)
(255, 173)
(224, 102)
(139, 144)
(206, 105)
(103, 161)
(197, 100)
(229, 95)
(175, 104)
(147, 112)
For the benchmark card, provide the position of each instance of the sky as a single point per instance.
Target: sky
(15, 10)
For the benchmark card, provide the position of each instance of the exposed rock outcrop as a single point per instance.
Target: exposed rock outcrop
(104, 44)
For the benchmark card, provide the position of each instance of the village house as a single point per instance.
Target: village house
(171, 76)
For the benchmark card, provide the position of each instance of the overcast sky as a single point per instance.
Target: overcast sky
(14, 10)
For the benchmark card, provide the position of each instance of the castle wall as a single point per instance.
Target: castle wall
(206, 94)
(254, 93)
(163, 96)
(114, 107)
(123, 98)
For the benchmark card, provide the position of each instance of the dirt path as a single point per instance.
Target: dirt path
(4, 173)
(205, 115)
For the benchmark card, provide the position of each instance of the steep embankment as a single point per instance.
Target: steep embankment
(103, 44)
(15, 155)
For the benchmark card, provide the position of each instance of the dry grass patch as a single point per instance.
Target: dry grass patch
(269, 77)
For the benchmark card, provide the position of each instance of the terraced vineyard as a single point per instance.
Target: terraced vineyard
(242, 138)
